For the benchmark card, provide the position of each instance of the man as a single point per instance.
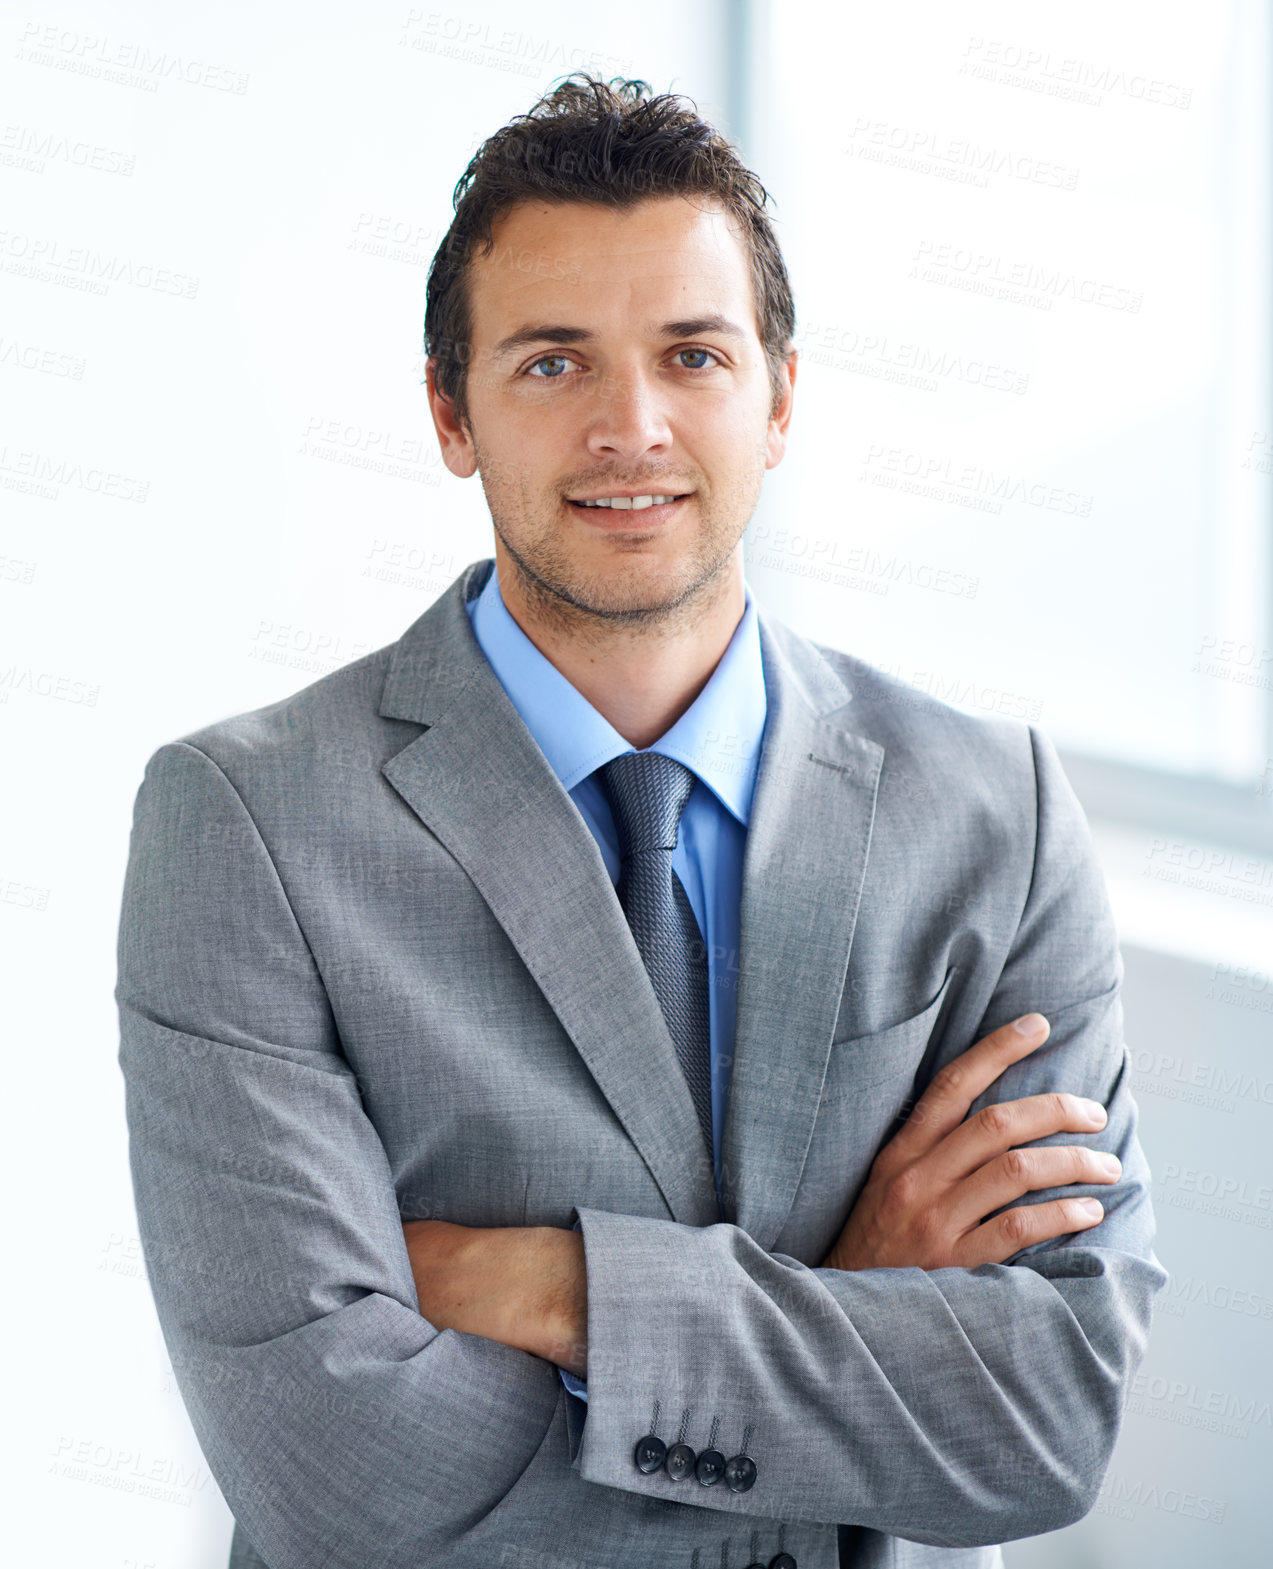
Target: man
(584, 1061)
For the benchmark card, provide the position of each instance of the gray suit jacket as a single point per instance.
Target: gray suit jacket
(372, 968)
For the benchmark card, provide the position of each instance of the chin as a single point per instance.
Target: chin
(639, 585)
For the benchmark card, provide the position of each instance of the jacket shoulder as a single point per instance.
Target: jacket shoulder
(934, 711)
(331, 721)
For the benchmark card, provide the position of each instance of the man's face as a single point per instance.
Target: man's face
(643, 374)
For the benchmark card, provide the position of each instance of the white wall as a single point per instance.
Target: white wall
(1188, 1484)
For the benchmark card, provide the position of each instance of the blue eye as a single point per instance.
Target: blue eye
(543, 360)
(564, 359)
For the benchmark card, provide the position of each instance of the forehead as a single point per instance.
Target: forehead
(665, 256)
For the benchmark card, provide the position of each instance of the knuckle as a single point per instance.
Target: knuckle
(946, 1080)
(901, 1192)
(1016, 1227)
(996, 1120)
(1018, 1165)
(1063, 1105)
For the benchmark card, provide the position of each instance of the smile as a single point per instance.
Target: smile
(628, 503)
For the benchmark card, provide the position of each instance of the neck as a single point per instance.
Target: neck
(641, 677)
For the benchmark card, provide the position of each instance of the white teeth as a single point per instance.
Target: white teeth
(633, 503)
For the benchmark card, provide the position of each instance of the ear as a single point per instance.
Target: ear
(776, 439)
(454, 438)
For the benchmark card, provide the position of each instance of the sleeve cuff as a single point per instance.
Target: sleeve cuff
(576, 1386)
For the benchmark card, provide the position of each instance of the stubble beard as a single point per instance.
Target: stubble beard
(593, 606)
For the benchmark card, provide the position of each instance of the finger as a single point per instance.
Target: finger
(999, 1127)
(1020, 1227)
(944, 1104)
(1018, 1172)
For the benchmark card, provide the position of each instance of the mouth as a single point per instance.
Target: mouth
(636, 512)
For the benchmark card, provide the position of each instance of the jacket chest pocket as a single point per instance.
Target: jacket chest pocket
(859, 1063)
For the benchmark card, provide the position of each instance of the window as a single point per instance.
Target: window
(1033, 455)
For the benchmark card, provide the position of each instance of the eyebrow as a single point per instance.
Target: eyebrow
(548, 332)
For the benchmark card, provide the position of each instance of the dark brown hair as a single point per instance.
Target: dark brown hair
(610, 143)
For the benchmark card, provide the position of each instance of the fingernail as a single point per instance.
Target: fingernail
(1096, 1112)
(1112, 1164)
(1091, 1206)
(1029, 1025)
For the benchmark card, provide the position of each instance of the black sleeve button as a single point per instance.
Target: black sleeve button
(680, 1461)
(710, 1467)
(740, 1473)
(782, 1561)
(649, 1453)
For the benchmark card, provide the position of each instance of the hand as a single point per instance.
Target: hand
(932, 1185)
(525, 1286)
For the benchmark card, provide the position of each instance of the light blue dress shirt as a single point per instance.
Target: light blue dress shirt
(718, 737)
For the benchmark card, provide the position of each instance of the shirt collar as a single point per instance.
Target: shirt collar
(718, 736)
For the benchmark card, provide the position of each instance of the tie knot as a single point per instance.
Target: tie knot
(647, 794)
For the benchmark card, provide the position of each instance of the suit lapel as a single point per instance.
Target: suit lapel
(808, 839)
(481, 785)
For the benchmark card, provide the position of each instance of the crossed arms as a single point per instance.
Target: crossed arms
(953, 1403)
(925, 1205)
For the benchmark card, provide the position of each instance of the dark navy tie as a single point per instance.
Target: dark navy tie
(647, 794)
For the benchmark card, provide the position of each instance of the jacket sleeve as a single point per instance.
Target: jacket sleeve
(341, 1426)
(954, 1407)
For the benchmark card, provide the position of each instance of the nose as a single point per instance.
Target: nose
(627, 420)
